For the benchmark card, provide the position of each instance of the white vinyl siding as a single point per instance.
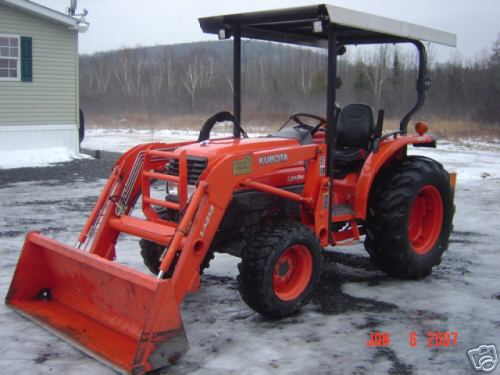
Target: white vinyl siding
(52, 96)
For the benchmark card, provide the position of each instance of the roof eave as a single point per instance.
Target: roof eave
(45, 12)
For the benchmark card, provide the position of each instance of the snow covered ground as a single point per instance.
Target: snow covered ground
(120, 140)
(40, 157)
(329, 336)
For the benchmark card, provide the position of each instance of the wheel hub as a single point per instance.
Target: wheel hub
(284, 269)
(292, 272)
(426, 219)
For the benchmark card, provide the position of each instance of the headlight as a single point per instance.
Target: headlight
(173, 189)
(191, 190)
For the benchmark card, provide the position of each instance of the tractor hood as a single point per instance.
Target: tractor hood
(218, 147)
(202, 155)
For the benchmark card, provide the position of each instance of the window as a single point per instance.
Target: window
(9, 58)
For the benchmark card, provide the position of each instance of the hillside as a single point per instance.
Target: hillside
(149, 85)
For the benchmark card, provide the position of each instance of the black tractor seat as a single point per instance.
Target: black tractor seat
(355, 132)
(348, 155)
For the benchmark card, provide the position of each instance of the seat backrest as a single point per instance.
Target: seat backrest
(355, 126)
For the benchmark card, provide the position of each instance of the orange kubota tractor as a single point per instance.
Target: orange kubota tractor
(273, 201)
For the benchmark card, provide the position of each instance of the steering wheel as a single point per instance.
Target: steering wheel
(221, 117)
(313, 129)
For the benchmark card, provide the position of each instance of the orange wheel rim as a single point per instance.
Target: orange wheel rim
(426, 219)
(292, 272)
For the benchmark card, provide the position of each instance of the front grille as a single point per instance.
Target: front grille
(196, 166)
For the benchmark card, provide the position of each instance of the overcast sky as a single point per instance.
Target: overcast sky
(129, 23)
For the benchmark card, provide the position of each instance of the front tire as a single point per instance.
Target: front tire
(151, 253)
(410, 218)
(280, 270)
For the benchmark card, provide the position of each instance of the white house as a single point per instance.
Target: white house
(39, 100)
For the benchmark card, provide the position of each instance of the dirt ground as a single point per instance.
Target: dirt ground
(329, 336)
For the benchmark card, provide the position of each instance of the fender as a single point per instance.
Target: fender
(376, 161)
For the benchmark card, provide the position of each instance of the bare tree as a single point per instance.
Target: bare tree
(282, 79)
(157, 78)
(307, 71)
(376, 71)
(200, 73)
(168, 63)
(122, 70)
(98, 75)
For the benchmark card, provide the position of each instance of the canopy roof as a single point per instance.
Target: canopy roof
(296, 26)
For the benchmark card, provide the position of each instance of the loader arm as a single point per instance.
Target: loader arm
(129, 320)
(118, 198)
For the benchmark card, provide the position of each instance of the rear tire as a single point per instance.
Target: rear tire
(280, 270)
(410, 218)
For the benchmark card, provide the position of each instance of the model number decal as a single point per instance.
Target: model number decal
(322, 165)
(210, 212)
(271, 159)
(295, 178)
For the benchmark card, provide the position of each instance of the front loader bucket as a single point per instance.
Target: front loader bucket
(126, 319)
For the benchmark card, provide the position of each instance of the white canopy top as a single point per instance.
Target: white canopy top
(366, 21)
(295, 25)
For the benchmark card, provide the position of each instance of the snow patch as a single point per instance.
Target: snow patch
(38, 157)
(472, 159)
(120, 140)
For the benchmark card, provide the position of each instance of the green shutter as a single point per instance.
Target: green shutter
(26, 59)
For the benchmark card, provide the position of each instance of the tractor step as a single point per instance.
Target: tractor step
(156, 232)
(342, 212)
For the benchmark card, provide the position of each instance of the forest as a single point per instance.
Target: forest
(195, 79)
